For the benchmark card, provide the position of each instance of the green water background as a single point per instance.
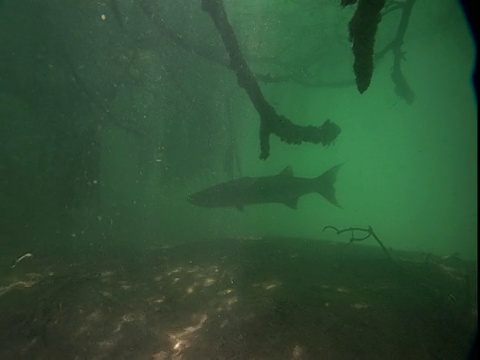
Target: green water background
(71, 175)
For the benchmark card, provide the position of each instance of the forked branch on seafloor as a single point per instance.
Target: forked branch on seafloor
(369, 232)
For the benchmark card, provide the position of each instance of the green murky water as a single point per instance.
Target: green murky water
(113, 114)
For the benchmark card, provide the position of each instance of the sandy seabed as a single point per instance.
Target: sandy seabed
(238, 298)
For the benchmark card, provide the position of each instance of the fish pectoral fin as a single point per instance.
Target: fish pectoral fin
(291, 203)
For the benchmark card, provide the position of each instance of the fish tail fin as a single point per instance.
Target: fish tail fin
(325, 184)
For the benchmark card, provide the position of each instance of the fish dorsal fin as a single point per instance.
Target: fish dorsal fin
(287, 171)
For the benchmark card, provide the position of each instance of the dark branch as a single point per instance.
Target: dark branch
(270, 121)
(402, 88)
(369, 232)
(363, 28)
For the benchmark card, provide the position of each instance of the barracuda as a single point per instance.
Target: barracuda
(282, 188)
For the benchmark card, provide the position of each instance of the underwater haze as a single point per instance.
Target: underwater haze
(110, 123)
(132, 126)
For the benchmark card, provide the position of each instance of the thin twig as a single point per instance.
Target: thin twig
(369, 232)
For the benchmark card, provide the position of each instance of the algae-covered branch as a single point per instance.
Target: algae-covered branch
(362, 29)
(270, 121)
